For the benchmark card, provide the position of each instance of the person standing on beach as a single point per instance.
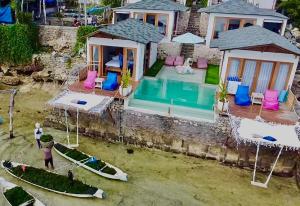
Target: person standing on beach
(38, 132)
(48, 158)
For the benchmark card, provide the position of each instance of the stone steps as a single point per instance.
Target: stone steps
(194, 21)
(187, 50)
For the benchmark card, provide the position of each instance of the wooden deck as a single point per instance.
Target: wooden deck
(283, 116)
(78, 87)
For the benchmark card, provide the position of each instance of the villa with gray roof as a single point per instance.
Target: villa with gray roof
(260, 58)
(164, 14)
(234, 14)
(129, 44)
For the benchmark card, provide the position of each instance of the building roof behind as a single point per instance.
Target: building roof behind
(135, 30)
(240, 7)
(164, 5)
(250, 37)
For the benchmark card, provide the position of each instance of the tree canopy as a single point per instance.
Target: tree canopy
(112, 3)
(292, 7)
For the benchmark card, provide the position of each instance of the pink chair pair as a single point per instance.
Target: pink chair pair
(89, 83)
(174, 61)
(270, 101)
(202, 63)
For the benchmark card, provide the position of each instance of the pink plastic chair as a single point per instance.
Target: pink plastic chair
(89, 83)
(170, 60)
(270, 101)
(179, 61)
(202, 63)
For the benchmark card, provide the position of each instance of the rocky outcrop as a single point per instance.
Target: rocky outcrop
(10, 80)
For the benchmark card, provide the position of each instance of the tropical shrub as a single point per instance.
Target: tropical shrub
(82, 33)
(126, 79)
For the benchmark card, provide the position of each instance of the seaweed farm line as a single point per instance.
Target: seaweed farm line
(154, 177)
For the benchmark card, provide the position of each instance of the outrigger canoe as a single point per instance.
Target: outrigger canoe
(12, 193)
(51, 181)
(90, 163)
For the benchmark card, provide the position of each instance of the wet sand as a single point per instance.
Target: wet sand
(155, 177)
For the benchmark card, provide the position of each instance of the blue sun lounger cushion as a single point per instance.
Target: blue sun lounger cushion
(242, 97)
(269, 138)
(282, 96)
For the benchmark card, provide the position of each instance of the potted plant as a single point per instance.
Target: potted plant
(222, 100)
(125, 87)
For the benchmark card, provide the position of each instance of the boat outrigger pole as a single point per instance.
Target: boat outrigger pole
(77, 129)
(12, 93)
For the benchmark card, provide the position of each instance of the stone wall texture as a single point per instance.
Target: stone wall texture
(212, 54)
(169, 48)
(199, 139)
(60, 38)
(203, 24)
(183, 21)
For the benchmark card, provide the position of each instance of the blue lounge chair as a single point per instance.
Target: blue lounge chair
(111, 82)
(242, 97)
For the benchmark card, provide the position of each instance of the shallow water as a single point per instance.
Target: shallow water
(155, 177)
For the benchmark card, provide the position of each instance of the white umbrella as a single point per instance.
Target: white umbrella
(188, 38)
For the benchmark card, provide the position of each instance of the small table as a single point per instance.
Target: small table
(98, 82)
(257, 98)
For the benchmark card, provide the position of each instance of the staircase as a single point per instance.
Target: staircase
(187, 50)
(194, 20)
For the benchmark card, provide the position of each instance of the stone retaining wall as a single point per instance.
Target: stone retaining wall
(199, 139)
(58, 37)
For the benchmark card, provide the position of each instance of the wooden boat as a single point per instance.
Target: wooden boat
(89, 193)
(6, 186)
(119, 174)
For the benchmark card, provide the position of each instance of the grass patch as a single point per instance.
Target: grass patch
(17, 196)
(212, 74)
(46, 138)
(79, 156)
(52, 181)
(156, 67)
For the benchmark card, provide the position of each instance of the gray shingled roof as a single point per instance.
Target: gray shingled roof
(164, 5)
(135, 30)
(250, 37)
(240, 7)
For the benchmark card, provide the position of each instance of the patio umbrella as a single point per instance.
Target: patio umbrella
(188, 38)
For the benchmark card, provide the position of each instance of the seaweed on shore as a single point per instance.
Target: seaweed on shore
(17, 196)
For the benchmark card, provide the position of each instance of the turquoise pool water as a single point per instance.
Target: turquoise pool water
(176, 93)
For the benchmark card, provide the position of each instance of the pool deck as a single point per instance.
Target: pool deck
(78, 87)
(284, 115)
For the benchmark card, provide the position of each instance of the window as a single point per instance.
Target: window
(121, 16)
(162, 23)
(273, 26)
(234, 24)
(220, 26)
(150, 19)
(225, 23)
(139, 16)
(159, 20)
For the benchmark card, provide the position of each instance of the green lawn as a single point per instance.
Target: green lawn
(156, 67)
(212, 74)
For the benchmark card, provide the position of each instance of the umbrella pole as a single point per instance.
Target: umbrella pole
(67, 126)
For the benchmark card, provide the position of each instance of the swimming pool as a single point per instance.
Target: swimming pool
(182, 99)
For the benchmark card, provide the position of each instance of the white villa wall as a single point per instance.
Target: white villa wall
(122, 43)
(171, 14)
(153, 53)
(259, 21)
(267, 56)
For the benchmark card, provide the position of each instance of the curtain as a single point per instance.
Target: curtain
(248, 74)
(281, 77)
(95, 57)
(264, 77)
(234, 68)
